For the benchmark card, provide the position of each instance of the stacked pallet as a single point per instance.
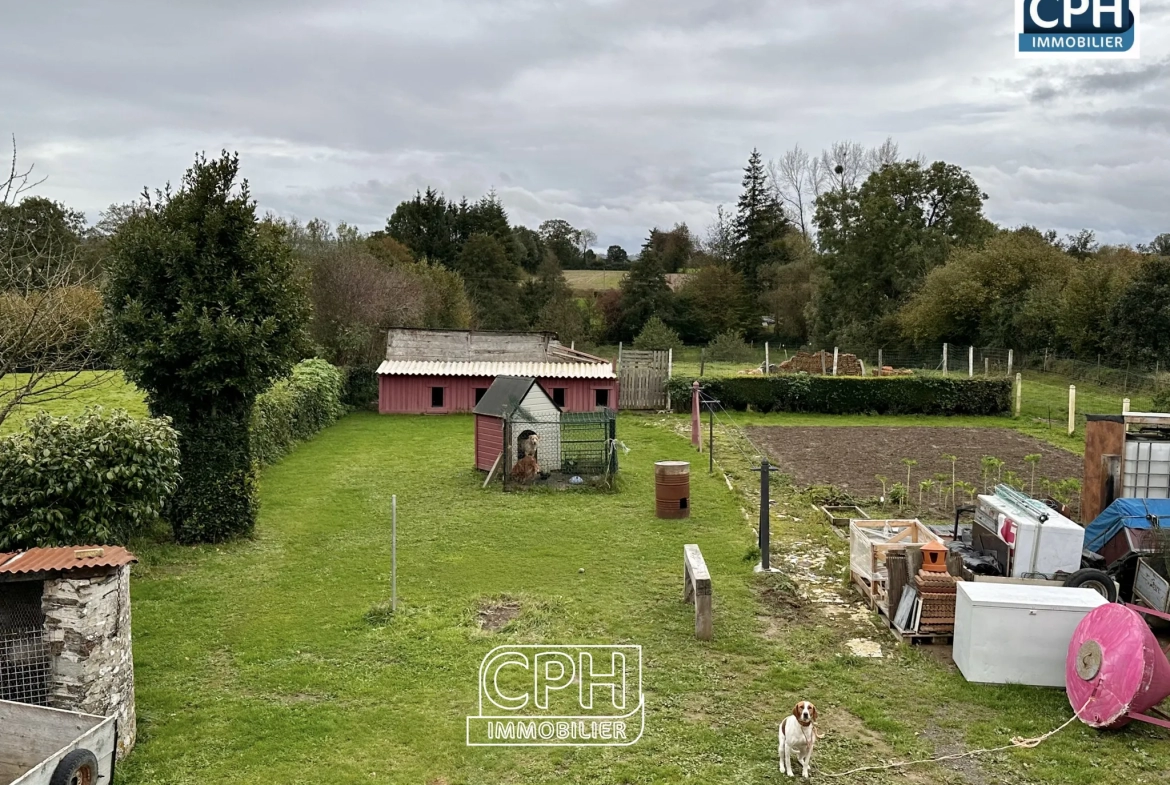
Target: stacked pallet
(937, 591)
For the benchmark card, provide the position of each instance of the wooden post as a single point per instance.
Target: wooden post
(697, 587)
(1011, 357)
(696, 426)
(619, 362)
(987, 366)
(393, 553)
(572, 346)
(1019, 392)
(1072, 409)
(970, 362)
(944, 359)
(824, 370)
(834, 360)
(1125, 405)
(767, 364)
(880, 366)
(702, 360)
(669, 373)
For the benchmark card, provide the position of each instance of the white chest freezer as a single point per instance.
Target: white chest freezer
(1017, 633)
(1036, 547)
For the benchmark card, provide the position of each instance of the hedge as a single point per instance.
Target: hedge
(95, 479)
(851, 394)
(294, 409)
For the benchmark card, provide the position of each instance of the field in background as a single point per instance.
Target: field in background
(92, 388)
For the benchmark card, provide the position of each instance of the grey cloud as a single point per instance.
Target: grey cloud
(615, 114)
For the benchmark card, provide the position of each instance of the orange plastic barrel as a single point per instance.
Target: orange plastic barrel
(672, 489)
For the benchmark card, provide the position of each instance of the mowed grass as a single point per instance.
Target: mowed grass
(260, 661)
(89, 388)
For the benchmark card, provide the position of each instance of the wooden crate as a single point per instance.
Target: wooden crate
(869, 543)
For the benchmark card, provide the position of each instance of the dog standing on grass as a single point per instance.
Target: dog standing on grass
(798, 734)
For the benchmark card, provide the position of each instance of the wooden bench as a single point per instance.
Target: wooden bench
(697, 589)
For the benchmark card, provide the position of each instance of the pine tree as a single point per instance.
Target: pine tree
(493, 284)
(759, 225)
(645, 292)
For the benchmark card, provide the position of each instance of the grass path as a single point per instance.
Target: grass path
(256, 662)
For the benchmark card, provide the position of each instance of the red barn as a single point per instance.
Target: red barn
(447, 371)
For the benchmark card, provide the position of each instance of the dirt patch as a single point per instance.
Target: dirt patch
(494, 615)
(851, 458)
(864, 747)
(781, 599)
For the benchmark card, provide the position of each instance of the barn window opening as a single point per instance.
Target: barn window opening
(437, 397)
(479, 392)
(559, 396)
(601, 398)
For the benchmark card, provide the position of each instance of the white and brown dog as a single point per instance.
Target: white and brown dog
(798, 734)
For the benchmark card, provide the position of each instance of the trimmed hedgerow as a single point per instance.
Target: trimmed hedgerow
(852, 395)
(296, 408)
(95, 479)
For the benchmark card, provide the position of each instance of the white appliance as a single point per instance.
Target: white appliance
(1038, 539)
(1009, 633)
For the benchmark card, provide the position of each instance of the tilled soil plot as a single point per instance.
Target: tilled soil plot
(850, 458)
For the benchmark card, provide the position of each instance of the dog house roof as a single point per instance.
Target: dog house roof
(67, 559)
(506, 395)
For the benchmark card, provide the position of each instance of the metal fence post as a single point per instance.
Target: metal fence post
(710, 437)
(393, 553)
(944, 359)
(765, 519)
(696, 426)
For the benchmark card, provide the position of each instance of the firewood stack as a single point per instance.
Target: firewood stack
(937, 590)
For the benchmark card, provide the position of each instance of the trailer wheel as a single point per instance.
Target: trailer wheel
(79, 767)
(1096, 580)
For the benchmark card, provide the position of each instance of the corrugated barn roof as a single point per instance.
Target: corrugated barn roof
(545, 370)
(80, 557)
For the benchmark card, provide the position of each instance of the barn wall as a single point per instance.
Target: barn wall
(412, 394)
(489, 441)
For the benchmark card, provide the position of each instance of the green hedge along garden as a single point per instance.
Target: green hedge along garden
(935, 395)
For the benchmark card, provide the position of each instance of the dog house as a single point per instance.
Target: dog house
(65, 632)
(521, 406)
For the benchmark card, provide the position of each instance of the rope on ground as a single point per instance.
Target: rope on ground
(1017, 742)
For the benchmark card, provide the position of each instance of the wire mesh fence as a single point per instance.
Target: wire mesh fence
(25, 665)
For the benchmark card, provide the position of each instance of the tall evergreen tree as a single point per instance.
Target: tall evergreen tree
(428, 225)
(759, 225)
(493, 283)
(205, 310)
(644, 293)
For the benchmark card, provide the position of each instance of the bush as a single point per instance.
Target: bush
(361, 388)
(852, 395)
(96, 479)
(1162, 400)
(729, 346)
(296, 408)
(657, 335)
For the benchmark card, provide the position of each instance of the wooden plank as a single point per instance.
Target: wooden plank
(495, 466)
(697, 585)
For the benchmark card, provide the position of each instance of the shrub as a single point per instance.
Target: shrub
(853, 395)
(657, 335)
(1162, 400)
(361, 388)
(95, 479)
(296, 408)
(729, 346)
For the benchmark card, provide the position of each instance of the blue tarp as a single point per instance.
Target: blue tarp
(1125, 514)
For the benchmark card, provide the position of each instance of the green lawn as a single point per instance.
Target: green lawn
(261, 662)
(109, 389)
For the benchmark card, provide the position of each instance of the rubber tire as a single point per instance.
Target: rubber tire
(1097, 580)
(73, 768)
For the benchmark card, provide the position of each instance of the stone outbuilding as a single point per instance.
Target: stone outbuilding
(65, 632)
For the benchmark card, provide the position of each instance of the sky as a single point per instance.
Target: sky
(616, 115)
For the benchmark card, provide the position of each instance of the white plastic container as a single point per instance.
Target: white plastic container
(1008, 633)
(1036, 548)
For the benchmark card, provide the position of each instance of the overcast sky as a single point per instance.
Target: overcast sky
(615, 115)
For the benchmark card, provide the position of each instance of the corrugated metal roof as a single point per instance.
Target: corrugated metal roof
(64, 559)
(584, 370)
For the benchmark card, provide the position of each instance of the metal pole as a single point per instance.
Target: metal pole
(394, 553)
(765, 519)
(944, 359)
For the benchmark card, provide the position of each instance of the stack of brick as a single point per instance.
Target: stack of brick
(937, 590)
(822, 362)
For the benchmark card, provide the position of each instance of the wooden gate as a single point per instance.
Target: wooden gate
(643, 376)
